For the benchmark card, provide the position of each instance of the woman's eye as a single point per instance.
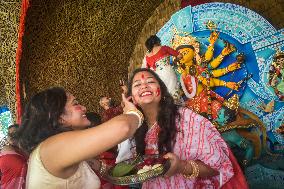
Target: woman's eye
(75, 103)
(151, 81)
(136, 85)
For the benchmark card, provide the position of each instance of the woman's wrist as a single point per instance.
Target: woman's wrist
(191, 170)
(183, 167)
(138, 114)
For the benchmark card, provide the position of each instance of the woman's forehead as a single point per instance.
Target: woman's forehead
(143, 75)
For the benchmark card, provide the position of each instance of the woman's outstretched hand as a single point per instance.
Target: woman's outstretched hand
(177, 165)
(127, 104)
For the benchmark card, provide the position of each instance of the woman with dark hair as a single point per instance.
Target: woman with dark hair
(53, 131)
(199, 156)
(13, 163)
(157, 58)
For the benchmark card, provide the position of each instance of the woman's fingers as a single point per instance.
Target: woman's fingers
(174, 164)
(126, 99)
(121, 82)
(123, 97)
(128, 105)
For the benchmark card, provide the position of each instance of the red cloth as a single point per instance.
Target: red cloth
(13, 168)
(200, 104)
(24, 8)
(238, 180)
(111, 113)
(163, 52)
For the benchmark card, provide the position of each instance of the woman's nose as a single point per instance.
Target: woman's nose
(84, 109)
(144, 85)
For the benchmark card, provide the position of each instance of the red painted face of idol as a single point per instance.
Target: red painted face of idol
(145, 89)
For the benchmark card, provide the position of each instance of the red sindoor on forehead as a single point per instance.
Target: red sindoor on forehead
(142, 76)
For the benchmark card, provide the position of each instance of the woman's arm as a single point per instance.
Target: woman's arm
(171, 51)
(63, 151)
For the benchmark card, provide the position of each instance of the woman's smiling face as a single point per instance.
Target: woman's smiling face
(145, 89)
(74, 115)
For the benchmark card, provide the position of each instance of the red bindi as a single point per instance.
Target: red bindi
(142, 76)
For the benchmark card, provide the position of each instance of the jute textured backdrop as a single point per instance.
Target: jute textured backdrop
(87, 45)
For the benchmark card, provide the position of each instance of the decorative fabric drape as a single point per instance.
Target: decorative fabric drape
(24, 8)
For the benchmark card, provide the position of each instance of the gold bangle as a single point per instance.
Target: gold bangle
(103, 168)
(138, 114)
(195, 170)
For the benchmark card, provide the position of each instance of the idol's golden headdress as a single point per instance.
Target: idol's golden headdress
(183, 38)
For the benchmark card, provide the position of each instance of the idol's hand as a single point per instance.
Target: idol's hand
(180, 56)
(213, 37)
(233, 85)
(228, 49)
(234, 66)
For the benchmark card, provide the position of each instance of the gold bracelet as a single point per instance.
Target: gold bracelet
(195, 170)
(103, 168)
(138, 114)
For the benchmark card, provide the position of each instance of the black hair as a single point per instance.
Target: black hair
(41, 117)
(151, 42)
(12, 134)
(94, 118)
(185, 46)
(167, 115)
(16, 126)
